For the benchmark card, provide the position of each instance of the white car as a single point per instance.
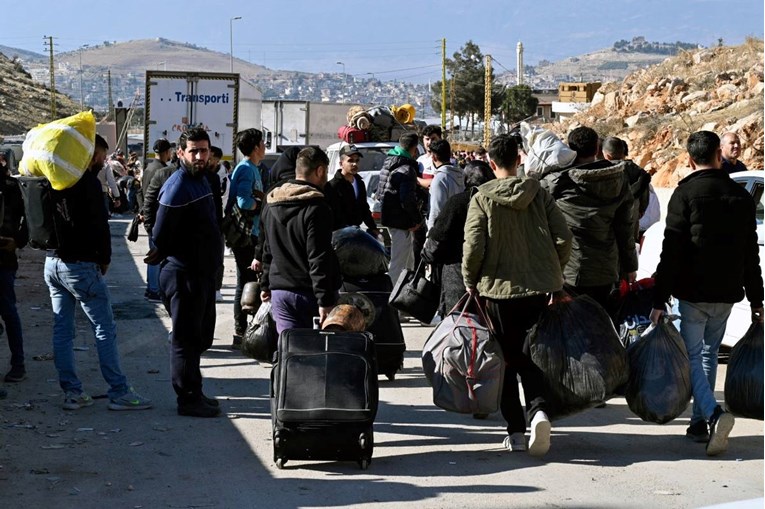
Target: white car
(741, 316)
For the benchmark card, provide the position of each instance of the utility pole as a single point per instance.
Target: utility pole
(49, 43)
(451, 100)
(109, 89)
(443, 83)
(487, 103)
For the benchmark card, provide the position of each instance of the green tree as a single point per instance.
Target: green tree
(518, 104)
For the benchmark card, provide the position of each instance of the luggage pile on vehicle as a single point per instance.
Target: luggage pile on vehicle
(379, 123)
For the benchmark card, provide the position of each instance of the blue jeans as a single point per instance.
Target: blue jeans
(10, 316)
(70, 283)
(702, 326)
(152, 273)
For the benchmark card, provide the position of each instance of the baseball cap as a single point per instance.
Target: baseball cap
(349, 150)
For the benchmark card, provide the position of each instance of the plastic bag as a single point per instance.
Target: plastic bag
(634, 314)
(659, 386)
(60, 150)
(744, 378)
(576, 347)
(544, 151)
(260, 338)
(359, 254)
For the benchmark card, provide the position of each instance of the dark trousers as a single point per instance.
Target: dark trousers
(11, 316)
(190, 299)
(512, 318)
(243, 257)
(418, 241)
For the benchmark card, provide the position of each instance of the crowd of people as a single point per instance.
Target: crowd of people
(482, 226)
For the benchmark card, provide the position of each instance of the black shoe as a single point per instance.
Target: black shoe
(237, 344)
(720, 426)
(480, 417)
(16, 374)
(152, 296)
(698, 432)
(198, 408)
(210, 401)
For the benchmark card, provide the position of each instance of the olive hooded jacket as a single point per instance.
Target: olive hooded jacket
(516, 240)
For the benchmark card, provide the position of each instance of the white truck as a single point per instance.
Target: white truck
(302, 123)
(222, 103)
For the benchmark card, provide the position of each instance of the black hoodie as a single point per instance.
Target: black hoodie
(297, 248)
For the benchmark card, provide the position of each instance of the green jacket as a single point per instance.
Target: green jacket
(516, 240)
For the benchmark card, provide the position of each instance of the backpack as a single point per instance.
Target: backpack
(46, 212)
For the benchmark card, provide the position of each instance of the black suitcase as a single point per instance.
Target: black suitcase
(386, 326)
(324, 396)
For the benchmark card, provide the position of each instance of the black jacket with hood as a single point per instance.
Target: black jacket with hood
(297, 247)
(597, 202)
(397, 190)
(14, 224)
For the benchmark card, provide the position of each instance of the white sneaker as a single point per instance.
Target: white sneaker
(515, 442)
(218, 296)
(539, 443)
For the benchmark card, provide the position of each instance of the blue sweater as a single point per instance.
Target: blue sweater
(186, 230)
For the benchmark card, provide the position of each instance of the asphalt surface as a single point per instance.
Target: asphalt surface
(424, 457)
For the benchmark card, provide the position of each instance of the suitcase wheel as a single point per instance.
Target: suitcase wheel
(364, 464)
(363, 441)
(280, 462)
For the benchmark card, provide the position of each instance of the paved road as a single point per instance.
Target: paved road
(424, 457)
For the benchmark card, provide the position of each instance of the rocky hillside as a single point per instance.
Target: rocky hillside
(25, 103)
(655, 109)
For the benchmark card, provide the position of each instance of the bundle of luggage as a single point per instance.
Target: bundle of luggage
(378, 123)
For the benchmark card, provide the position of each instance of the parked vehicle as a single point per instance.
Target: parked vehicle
(222, 103)
(740, 317)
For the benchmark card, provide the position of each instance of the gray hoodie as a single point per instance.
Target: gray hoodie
(447, 182)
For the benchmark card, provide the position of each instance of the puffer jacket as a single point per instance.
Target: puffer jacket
(596, 200)
(397, 191)
(14, 223)
(297, 247)
(516, 240)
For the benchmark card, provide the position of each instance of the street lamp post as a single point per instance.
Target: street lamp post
(82, 98)
(231, 39)
(345, 79)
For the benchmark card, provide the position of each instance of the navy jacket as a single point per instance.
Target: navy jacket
(186, 230)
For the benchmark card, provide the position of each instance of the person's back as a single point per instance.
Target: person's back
(397, 190)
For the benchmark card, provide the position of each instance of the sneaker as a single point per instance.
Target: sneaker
(16, 374)
(152, 296)
(539, 443)
(237, 343)
(198, 408)
(720, 426)
(130, 401)
(698, 432)
(218, 296)
(75, 401)
(515, 442)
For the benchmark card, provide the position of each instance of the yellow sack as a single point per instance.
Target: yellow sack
(60, 150)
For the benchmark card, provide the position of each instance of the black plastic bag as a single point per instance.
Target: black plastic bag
(260, 338)
(576, 347)
(744, 378)
(659, 386)
(634, 314)
(359, 254)
(132, 235)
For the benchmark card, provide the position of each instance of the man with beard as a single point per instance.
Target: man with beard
(188, 243)
(74, 273)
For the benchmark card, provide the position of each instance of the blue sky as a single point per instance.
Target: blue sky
(392, 39)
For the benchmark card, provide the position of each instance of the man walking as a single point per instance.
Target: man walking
(13, 235)
(447, 179)
(188, 240)
(347, 194)
(516, 245)
(596, 200)
(397, 191)
(709, 260)
(301, 275)
(75, 273)
(163, 151)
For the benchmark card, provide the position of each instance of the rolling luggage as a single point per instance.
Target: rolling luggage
(385, 325)
(324, 396)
